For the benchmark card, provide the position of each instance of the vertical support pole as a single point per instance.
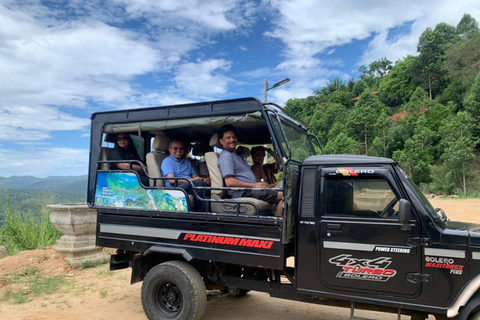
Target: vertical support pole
(265, 91)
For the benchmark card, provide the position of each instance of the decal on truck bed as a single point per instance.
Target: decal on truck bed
(230, 241)
(363, 269)
(122, 190)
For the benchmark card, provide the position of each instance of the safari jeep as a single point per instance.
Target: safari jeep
(355, 231)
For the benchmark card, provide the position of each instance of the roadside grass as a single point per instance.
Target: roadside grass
(27, 230)
(30, 284)
(87, 264)
(90, 264)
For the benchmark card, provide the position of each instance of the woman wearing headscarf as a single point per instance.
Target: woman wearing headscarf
(125, 150)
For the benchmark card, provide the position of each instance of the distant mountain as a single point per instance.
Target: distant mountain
(27, 194)
(71, 184)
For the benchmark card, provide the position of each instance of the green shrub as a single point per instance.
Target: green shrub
(27, 230)
(31, 284)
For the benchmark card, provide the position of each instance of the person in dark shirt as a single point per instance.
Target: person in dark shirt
(264, 172)
(125, 150)
(237, 173)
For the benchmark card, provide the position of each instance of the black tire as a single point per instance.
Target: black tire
(475, 316)
(238, 292)
(174, 290)
(419, 316)
(471, 311)
(241, 292)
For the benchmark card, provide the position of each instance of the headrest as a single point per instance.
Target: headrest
(243, 151)
(198, 150)
(215, 141)
(160, 142)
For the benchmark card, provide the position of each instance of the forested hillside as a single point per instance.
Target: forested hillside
(423, 111)
(28, 194)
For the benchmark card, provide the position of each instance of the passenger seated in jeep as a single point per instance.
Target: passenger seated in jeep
(125, 150)
(264, 172)
(237, 173)
(176, 166)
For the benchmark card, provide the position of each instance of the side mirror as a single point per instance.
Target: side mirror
(404, 213)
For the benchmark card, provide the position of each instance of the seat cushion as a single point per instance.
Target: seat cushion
(154, 163)
(215, 175)
(265, 207)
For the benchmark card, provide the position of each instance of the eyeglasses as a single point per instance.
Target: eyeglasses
(177, 149)
(122, 139)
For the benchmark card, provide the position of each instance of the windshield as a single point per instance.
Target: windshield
(428, 206)
(293, 139)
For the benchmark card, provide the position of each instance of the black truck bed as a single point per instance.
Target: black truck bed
(249, 241)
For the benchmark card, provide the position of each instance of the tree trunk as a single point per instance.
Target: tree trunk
(464, 180)
(366, 143)
(429, 85)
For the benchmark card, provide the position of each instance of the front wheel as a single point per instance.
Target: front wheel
(475, 315)
(471, 311)
(173, 290)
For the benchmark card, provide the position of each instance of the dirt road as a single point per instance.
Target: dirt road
(98, 294)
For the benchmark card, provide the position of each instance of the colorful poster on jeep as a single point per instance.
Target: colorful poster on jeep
(122, 190)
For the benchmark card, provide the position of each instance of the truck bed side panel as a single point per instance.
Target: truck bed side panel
(221, 241)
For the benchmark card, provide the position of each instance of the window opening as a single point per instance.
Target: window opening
(373, 198)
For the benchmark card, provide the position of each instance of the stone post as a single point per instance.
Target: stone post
(3, 252)
(77, 223)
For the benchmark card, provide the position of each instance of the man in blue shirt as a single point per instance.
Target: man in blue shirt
(237, 173)
(176, 166)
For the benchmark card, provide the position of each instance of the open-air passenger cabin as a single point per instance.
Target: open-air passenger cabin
(197, 123)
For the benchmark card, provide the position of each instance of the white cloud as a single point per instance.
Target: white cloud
(34, 123)
(211, 14)
(71, 56)
(43, 162)
(405, 44)
(204, 78)
(68, 63)
(311, 28)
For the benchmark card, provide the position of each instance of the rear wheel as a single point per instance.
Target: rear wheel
(173, 290)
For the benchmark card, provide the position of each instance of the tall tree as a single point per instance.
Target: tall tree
(466, 25)
(462, 64)
(432, 46)
(397, 87)
(472, 101)
(459, 145)
(380, 67)
(418, 153)
(363, 117)
(371, 76)
(472, 105)
(304, 107)
(334, 85)
(341, 144)
(324, 117)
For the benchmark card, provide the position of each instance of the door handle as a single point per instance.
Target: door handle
(333, 228)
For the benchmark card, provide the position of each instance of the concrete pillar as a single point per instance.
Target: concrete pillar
(3, 252)
(77, 223)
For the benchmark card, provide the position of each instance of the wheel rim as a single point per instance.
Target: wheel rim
(169, 299)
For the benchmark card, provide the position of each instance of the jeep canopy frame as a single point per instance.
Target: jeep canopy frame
(249, 116)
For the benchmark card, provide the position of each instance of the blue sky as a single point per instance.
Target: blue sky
(60, 61)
